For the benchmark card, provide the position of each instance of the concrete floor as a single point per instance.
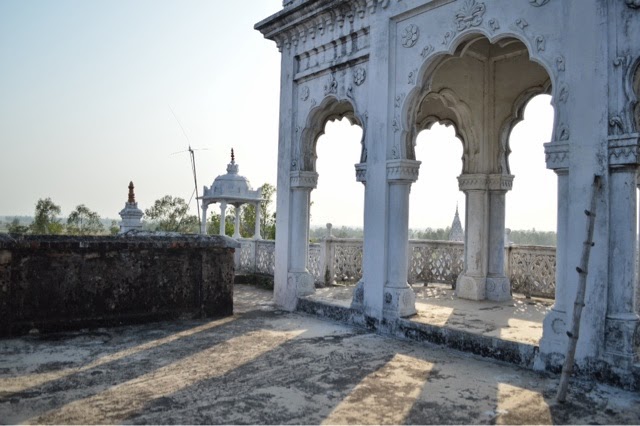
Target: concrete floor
(519, 319)
(267, 366)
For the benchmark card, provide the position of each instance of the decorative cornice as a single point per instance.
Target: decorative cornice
(556, 155)
(304, 179)
(403, 170)
(500, 182)
(485, 182)
(624, 150)
(473, 182)
(361, 172)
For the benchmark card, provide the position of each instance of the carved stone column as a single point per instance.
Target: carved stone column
(203, 224)
(223, 218)
(471, 284)
(554, 339)
(498, 285)
(358, 294)
(399, 298)
(302, 183)
(622, 320)
(236, 224)
(256, 233)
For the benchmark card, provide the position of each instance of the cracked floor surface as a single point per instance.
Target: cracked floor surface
(266, 366)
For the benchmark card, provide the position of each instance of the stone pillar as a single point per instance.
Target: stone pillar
(622, 319)
(555, 325)
(203, 224)
(302, 183)
(223, 217)
(399, 298)
(358, 293)
(498, 286)
(256, 233)
(236, 224)
(471, 284)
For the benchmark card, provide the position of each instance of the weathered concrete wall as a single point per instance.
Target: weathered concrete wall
(57, 282)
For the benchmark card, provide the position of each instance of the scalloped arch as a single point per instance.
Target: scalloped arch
(330, 109)
(436, 58)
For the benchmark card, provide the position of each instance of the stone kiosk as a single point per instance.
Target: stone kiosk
(395, 67)
(231, 188)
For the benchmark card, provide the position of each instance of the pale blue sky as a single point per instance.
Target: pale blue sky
(85, 91)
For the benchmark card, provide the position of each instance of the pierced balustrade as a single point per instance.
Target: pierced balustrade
(531, 269)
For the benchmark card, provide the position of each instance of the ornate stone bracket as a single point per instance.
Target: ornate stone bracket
(403, 170)
(304, 179)
(361, 172)
(624, 150)
(556, 155)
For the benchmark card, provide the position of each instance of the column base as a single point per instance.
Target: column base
(553, 344)
(472, 288)
(399, 302)
(357, 302)
(622, 335)
(498, 289)
(302, 282)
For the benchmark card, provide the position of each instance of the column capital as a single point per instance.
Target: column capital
(500, 182)
(361, 172)
(304, 180)
(556, 155)
(403, 171)
(473, 182)
(624, 150)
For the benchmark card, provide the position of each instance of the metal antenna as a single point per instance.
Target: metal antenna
(193, 164)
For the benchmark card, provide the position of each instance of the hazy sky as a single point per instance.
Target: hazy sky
(86, 92)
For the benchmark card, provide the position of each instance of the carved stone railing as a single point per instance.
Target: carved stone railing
(531, 269)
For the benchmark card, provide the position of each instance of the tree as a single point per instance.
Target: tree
(15, 227)
(267, 220)
(114, 228)
(170, 215)
(46, 218)
(214, 223)
(83, 221)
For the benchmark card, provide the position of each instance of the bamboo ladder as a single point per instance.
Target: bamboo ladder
(567, 368)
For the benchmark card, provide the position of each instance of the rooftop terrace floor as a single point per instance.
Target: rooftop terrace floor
(518, 320)
(263, 365)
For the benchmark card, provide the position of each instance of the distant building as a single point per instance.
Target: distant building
(456, 233)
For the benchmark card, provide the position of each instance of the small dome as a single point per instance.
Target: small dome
(231, 186)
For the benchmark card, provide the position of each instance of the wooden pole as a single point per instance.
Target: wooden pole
(567, 368)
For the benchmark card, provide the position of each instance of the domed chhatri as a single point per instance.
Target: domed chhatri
(231, 188)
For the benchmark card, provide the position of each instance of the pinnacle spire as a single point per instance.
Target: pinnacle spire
(132, 196)
(233, 157)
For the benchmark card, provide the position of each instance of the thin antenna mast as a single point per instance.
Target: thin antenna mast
(193, 164)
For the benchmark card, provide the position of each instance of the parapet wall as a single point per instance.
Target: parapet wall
(53, 283)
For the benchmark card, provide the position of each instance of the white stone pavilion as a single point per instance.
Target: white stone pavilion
(231, 189)
(395, 67)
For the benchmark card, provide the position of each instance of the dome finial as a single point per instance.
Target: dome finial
(233, 157)
(132, 196)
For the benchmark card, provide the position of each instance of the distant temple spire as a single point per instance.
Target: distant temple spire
(456, 233)
(132, 196)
